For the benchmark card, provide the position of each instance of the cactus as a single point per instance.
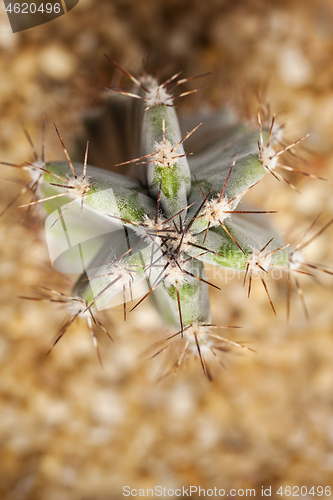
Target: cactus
(150, 234)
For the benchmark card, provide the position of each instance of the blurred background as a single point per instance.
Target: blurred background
(72, 431)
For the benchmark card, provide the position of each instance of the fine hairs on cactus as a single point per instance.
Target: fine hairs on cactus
(149, 234)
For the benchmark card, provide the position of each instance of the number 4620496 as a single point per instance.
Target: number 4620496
(32, 8)
(303, 491)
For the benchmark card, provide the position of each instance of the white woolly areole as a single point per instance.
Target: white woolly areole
(268, 158)
(156, 226)
(35, 173)
(174, 274)
(257, 260)
(164, 155)
(79, 186)
(77, 306)
(215, 210)
(202, 332)
(296, 260)
(121, 271)
(277, 134)
(157, 96)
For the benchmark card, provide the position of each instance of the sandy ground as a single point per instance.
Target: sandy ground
(69, 430)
